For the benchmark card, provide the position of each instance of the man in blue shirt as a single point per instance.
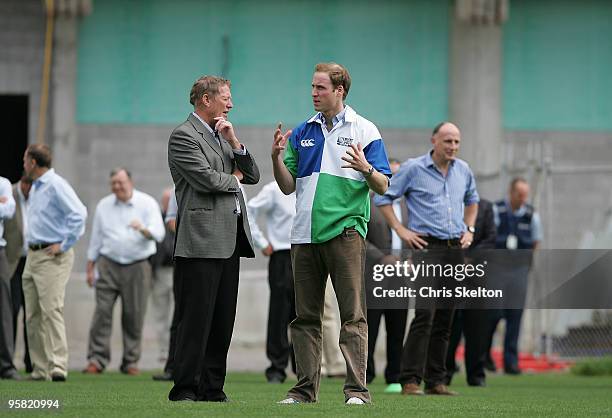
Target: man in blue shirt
(56, 220)
(442, 203)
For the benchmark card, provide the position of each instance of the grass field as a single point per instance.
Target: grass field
(116, 395)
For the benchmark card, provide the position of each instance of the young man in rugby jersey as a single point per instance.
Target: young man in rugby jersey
(331, 160)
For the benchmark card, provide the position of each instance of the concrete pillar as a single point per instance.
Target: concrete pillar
(475, 82)
(63, 100)
(64, 78)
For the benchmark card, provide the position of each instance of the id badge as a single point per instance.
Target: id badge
(512, 242)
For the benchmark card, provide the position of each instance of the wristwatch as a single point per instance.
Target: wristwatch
(370, 172)
(471, 229)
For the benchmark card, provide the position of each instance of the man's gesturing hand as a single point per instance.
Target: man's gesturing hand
(280, 140)
(357, 160)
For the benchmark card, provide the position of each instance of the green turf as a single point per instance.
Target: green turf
(115, 395)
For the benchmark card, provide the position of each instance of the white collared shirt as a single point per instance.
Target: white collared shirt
(23, 207)
(396, 241)
(112, 235)
(279, 210)
(7, 209)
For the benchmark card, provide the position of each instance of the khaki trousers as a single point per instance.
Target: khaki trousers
(343, 259)
(332, 362)
(44, 286)
(131, 283)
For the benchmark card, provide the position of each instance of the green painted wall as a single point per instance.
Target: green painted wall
(558, 65)
(138, 59)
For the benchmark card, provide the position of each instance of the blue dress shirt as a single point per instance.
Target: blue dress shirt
(435, 202)
(55, 213)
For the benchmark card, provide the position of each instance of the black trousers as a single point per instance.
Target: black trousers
(281, 313)
(395, 325)
(424, 352)
(169, 366)
(473, 324)
(18, 303)
(7, 341)
(206, 295)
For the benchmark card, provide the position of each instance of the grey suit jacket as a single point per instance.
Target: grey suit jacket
(205, 192)
(13, 234)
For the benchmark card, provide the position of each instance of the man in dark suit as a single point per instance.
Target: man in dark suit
(16, 251)
(473, 322)
(382, 245)
(206, 162)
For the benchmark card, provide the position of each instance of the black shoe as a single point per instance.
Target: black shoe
(512, 370)
(275, 379)
(11, 375)
(477, 382)
(183, 396)
(57, 377)
(490, 365)
(163, 377)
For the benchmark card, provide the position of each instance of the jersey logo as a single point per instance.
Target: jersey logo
(344, 141)
(307, 143)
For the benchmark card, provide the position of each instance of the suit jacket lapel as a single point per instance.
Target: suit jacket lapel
(206, 135)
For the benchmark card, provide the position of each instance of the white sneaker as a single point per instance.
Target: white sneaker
(288, 401)
(355, 401)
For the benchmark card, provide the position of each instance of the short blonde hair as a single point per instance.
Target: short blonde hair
(338, 75)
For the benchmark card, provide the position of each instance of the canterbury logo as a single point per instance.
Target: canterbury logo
(307, 143)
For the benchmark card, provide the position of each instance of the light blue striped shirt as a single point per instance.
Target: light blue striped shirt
(435, 203)
(7, 209)
(55, 213)
(335, 120)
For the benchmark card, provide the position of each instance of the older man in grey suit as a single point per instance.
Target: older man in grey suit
(207, 161)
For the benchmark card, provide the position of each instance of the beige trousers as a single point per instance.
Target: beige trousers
(332, 362)
(44, 286)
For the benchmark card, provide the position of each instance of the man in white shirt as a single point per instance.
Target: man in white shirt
(279, 211)
(126, 225)
(7, 210)
(15, 231)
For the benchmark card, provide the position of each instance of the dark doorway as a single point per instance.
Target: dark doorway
(14, 122)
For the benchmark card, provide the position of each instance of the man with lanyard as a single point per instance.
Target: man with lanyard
(332, 161)
(442, 205)
(518, 228)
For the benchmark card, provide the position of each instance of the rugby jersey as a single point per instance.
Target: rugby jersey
(331, 198)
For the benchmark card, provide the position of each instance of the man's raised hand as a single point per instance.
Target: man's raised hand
(280, 140)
